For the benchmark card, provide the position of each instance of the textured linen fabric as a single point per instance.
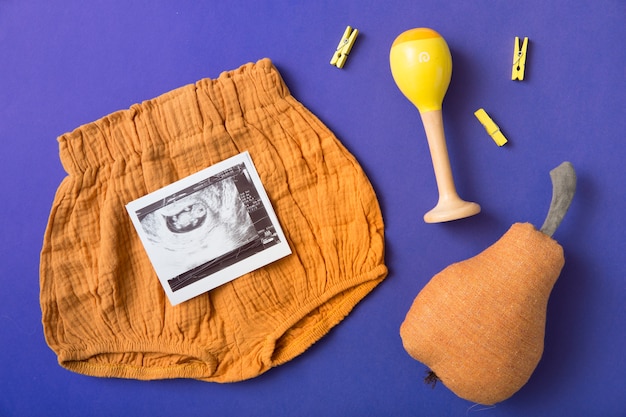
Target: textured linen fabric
(104, 311)
(479, 324)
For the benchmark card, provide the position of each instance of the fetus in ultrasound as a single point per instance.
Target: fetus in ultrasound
(189, 218)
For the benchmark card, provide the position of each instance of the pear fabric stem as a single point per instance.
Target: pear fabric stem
(563, 190)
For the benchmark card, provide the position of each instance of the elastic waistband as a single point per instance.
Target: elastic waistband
(176, 115)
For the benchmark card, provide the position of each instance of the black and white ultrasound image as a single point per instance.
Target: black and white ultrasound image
(198, 227)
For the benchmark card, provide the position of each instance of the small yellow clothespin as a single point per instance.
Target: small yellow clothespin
(519, 59)
(344, 47)
(491, 127)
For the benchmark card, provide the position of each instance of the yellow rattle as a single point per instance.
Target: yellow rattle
(421, 66)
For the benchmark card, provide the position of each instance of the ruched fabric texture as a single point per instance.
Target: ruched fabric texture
(104, 310)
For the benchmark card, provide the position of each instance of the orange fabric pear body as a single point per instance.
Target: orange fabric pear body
(479, 324)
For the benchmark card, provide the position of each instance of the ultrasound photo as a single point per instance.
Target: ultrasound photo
(209, 228)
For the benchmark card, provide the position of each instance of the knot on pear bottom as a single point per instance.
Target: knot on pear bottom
(479, 324)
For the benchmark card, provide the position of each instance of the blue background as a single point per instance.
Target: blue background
(63, 64)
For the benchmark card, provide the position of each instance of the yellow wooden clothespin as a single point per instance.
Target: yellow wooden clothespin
(491, 127)
(344, 47)
(519, 59)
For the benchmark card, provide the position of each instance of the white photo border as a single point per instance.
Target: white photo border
(266, 246)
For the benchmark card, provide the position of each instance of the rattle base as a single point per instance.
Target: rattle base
(446, 211)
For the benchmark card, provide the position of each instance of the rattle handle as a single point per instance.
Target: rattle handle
(433, 125)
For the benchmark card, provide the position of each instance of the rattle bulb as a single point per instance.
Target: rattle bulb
(421, 66)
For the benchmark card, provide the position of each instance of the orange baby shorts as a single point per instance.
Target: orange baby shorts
(104, 311)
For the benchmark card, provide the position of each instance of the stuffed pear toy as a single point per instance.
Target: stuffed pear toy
(479, 324)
